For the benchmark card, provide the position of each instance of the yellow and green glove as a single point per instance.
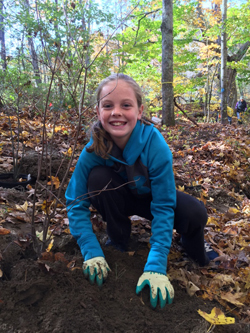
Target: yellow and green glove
(96, 270)
(160, 288)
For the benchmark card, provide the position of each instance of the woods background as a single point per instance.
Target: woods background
(53, 51)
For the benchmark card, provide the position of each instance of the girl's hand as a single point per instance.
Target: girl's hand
(96, 270)
(160, 287)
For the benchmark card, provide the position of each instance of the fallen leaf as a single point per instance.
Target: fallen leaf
(60, 257)
(55, 181)
(232, 298)
(233, 210)
(72, 264)
(4, 231)
(20, 216)
(216, 317)
(181, 188)
(47, 256)
(50, 245)
(191, 288)
(39, 235)
(23, 207)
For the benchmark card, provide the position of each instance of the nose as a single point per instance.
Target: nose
(116, 112)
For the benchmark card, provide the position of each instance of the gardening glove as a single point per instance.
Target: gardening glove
(160, 287)
(96, 269)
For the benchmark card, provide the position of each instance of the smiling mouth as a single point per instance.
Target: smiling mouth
(118, 123)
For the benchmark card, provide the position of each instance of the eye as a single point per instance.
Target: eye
(127, 105)
(107, 106)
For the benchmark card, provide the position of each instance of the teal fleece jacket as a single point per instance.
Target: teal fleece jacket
(147, 160)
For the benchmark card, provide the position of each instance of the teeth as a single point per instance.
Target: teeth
(117, 124)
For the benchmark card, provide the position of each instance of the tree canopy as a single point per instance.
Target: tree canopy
(72, 46)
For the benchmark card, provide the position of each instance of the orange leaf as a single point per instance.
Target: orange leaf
(55, 181)
(47, 256)
(4, 231)
(60, 257)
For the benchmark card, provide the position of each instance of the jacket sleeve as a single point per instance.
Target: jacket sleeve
(236, 105)
(163, 203)
(78, 206)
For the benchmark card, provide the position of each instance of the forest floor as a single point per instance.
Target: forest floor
(50, 294)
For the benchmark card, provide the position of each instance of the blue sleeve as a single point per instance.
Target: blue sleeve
(236, 105)
(78, 206)
(163, 203)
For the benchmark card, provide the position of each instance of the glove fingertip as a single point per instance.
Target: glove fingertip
(169, 298)
(92, 277)
(153, 301)
(140, 286)
(163, 302)
(99, 281)
(138, 290)
(86, 272)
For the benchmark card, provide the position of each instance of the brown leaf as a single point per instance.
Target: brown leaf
(60, 257)
(233, 298)
(4, 231)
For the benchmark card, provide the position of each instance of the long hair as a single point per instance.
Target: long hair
(102, 142)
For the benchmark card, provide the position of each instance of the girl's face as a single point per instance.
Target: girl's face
(118, 111)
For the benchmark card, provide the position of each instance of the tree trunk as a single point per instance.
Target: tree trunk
(34, 58)
(2, 37)
(223, 75)
(232, 88)
(167, 63)
(232, 73)
(237, 56)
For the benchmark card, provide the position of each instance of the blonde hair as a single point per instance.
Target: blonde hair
(103, 143)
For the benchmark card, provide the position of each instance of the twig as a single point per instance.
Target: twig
(139, 22)
(50, 192)
(193, 121)
(89, 194)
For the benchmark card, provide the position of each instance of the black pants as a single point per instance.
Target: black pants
(116, 205)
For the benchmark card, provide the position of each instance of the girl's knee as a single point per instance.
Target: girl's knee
(99, 177)
(190, 213)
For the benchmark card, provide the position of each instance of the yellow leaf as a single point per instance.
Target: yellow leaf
(181, 188)
(46, 206)
(216, 317)
(213, 220)
(25, 134)
(69, 152)
(233, 210)
(23, 207)
(58, 128)
(236, 163)
(50, 245)
(39, 235)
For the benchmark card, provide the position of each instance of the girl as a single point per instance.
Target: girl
(126, 169)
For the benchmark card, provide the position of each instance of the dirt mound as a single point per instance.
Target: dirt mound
(47, 296)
